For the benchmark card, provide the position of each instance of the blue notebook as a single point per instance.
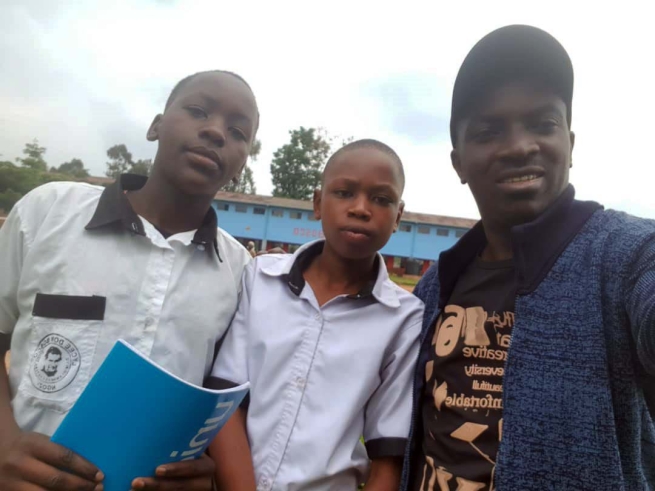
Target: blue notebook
(134, 416)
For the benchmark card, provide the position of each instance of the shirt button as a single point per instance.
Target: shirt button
(300, 382)
(149, 321)
(201, 247)
(317, 316)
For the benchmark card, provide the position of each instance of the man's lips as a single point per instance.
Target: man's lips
(520, 175)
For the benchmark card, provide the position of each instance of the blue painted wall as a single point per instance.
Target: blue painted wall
(290, 226)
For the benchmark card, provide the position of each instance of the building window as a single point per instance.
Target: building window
(460, 233)
(442, 232)
(405, 227)
(295, 215)
(258, 210)
(241, 208)
(311, 217)
(223, 207)
(422, 229)
(277, 213)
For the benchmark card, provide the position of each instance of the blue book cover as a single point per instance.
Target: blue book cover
(134, 416)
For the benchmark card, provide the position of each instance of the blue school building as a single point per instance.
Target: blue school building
(279, 222)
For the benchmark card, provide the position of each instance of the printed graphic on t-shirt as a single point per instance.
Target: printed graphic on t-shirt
(465, 377)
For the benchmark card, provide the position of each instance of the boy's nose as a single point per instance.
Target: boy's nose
(359, 209)
(214, 134)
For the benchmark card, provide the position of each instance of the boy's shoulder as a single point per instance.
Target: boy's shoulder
(60, 198)
(409, 302)
(55, 191)
(273, 263)
(232, 247)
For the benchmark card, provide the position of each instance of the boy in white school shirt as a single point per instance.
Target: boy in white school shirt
(143, 260)
(328, 343)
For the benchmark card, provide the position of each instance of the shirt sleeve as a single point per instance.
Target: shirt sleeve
(12, 251)
(388, 412)
(640, 305)
(231, 365)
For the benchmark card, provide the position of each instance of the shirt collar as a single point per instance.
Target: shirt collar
(291, 269)
(536, 245)
(114, 207)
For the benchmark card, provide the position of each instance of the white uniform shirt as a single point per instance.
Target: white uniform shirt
(79, 270)
(320, 377)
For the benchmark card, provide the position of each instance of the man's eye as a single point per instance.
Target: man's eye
(546, 126)
(485, 135)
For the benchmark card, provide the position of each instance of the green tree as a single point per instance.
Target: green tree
(16, 181)
(34, 156)
(120, 161)
(74, 168)
(142, 167)
(296, 167)
(246, 183)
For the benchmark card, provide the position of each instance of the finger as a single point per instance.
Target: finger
(21, 486)
(52, 479)
(64, 458)
(155, 484)
(203, 466)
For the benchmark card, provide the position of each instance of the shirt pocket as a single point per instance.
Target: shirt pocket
(63, 338)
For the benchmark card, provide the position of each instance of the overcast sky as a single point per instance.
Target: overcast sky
(82, 77)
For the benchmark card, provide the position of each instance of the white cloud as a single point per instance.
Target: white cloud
(82, 77)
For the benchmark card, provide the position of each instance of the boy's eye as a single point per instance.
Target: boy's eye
(382, 200)
(343, 193)
(197, 112)
(238, 134)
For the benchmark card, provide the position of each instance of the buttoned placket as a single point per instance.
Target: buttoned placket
(295, 390)
(153, 290)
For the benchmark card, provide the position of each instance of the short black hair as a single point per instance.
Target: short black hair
(53, 350)
(185, 80)
(368, 143)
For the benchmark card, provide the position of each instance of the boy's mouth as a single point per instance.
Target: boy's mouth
(356, 233)
(205, 156)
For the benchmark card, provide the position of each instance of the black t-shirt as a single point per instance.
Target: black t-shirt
(461, 405)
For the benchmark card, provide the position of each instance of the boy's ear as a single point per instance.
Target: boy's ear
(236, 178)
(153, 131)
(457, 165)
(317, 203)
(401, 209)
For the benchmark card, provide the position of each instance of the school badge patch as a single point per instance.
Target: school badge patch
(54, 364)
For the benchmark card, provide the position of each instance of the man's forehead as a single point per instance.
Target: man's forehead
(518, 97)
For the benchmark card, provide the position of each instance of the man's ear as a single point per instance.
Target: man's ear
(317, 203)
(572, 137)
(457, 165)
(153, 131)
